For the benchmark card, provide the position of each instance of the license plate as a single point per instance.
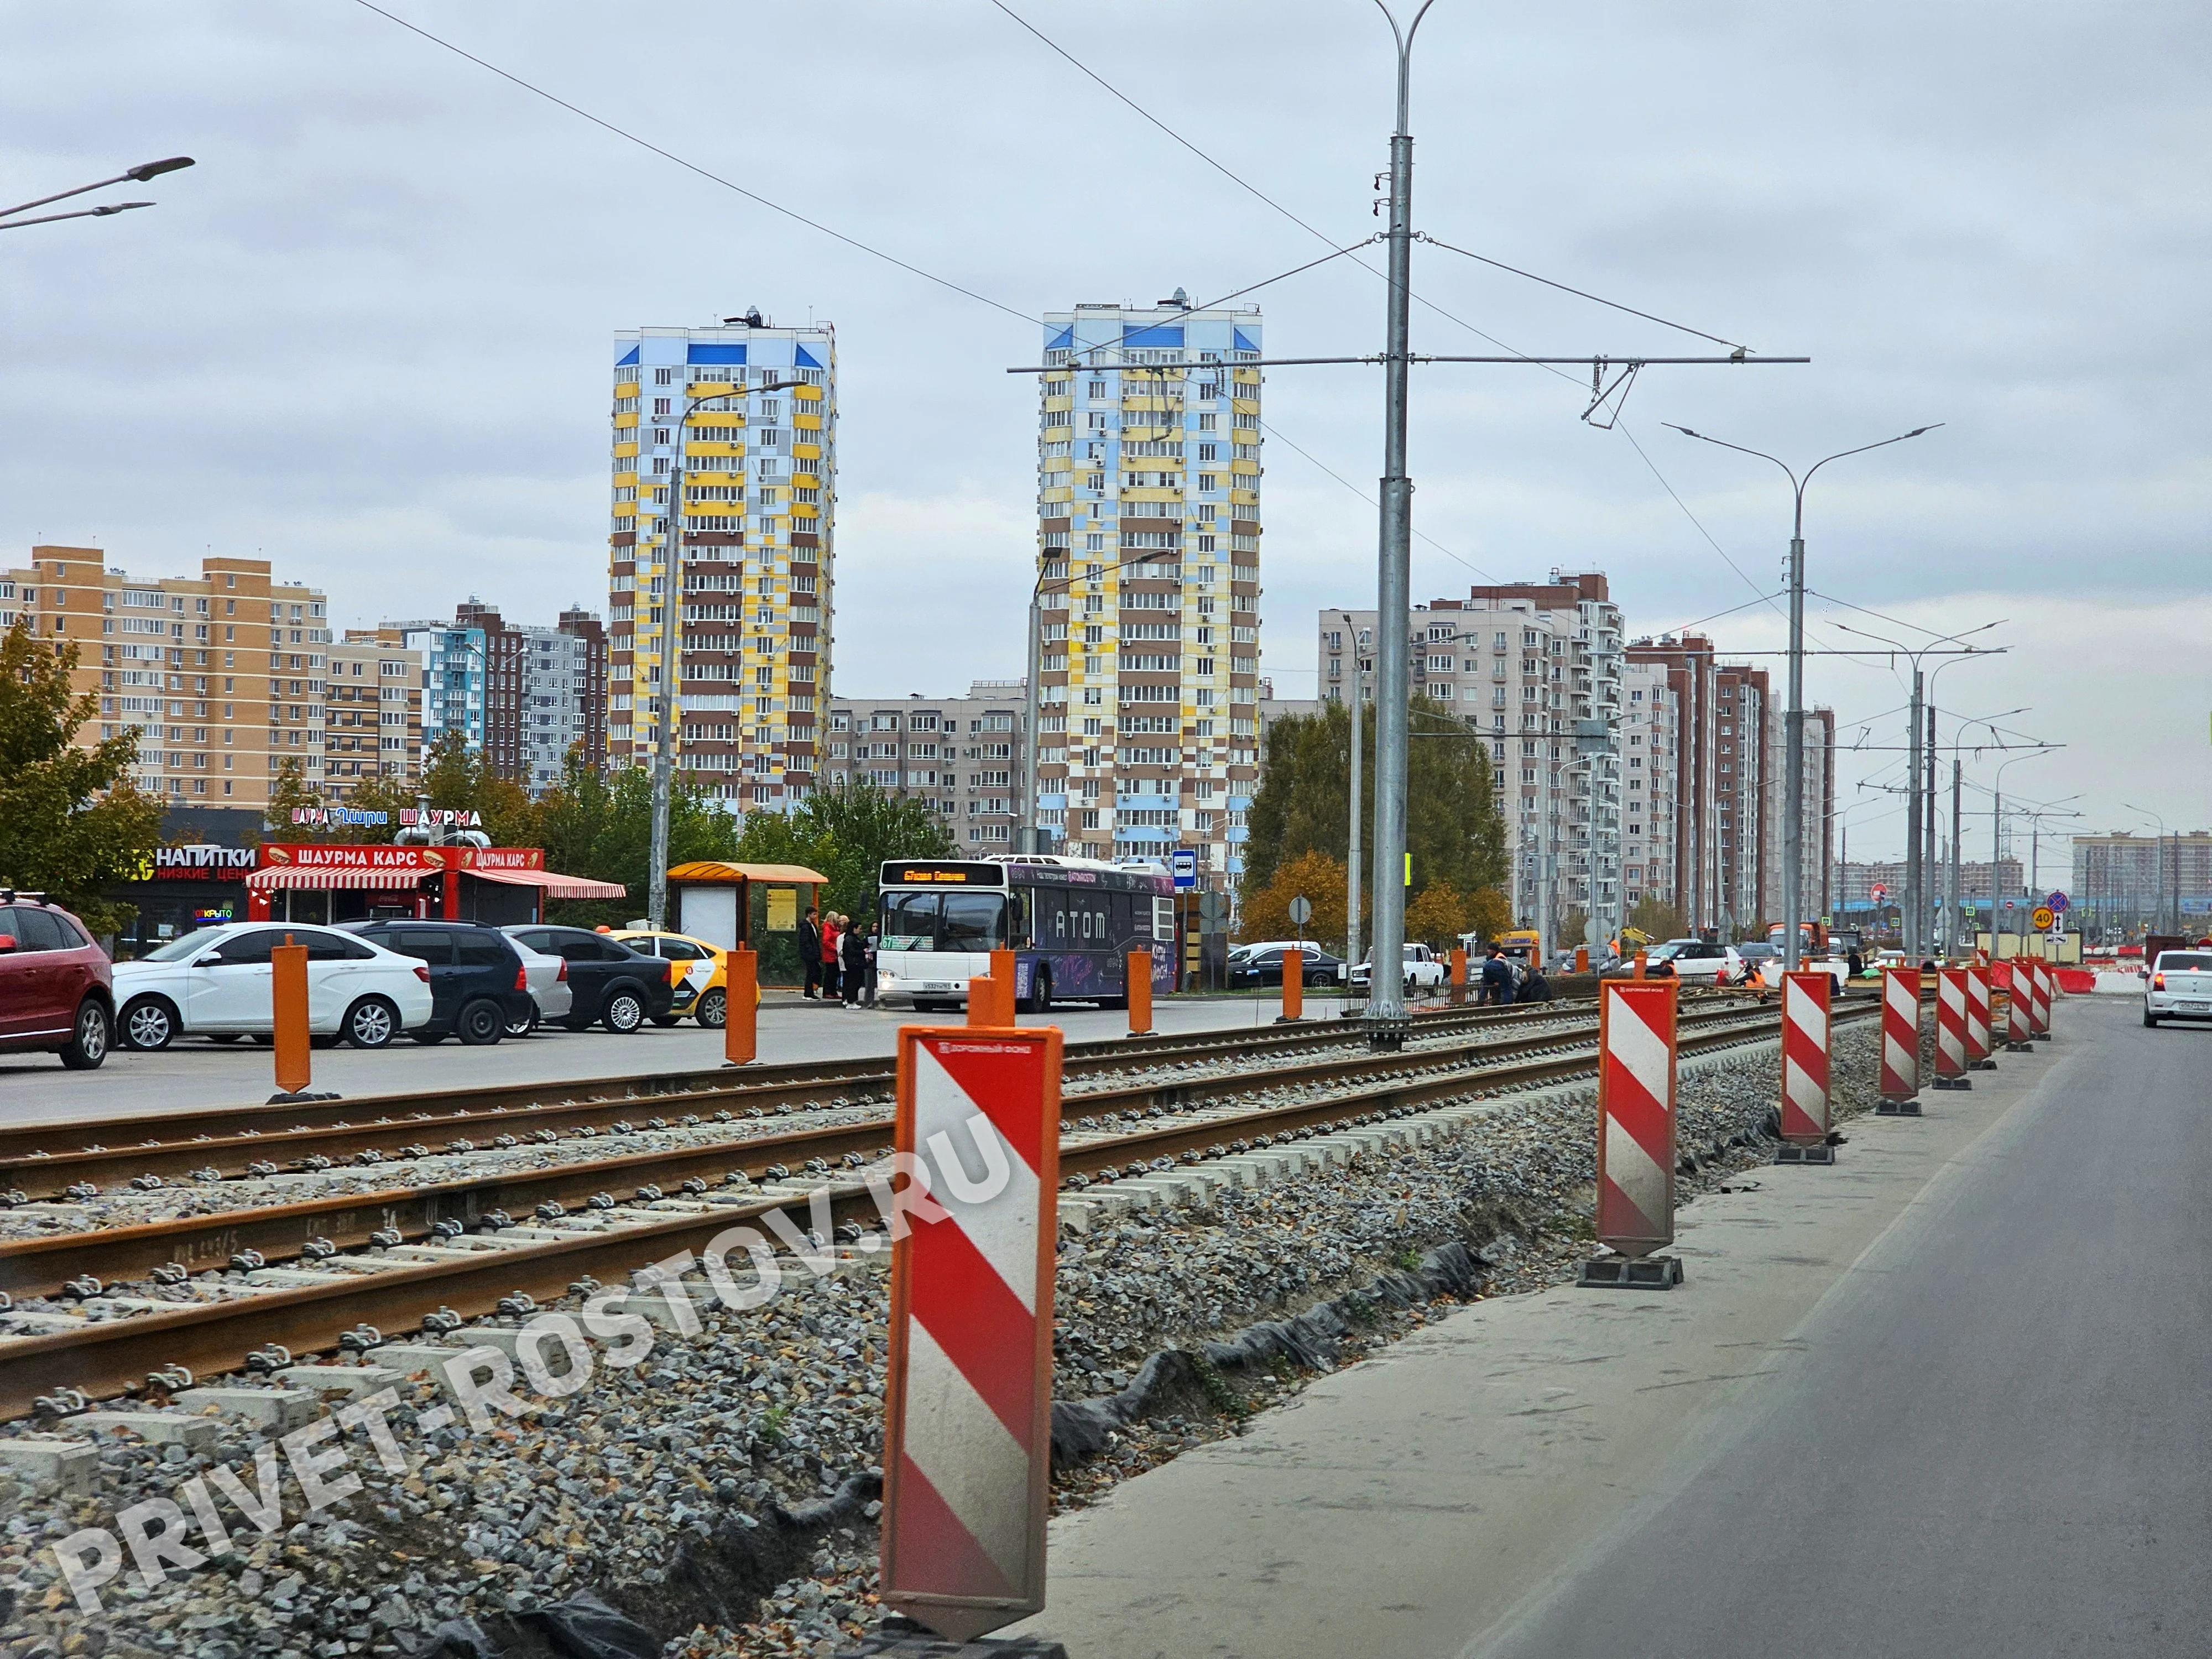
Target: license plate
(2196, 1008)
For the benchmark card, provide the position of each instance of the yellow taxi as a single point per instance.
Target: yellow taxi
(699, 974)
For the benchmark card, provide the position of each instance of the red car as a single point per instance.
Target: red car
(57, 993)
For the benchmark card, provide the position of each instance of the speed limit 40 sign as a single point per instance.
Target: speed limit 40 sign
(2044, 916)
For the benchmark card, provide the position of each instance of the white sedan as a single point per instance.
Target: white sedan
(216, 982)
(1698, 962)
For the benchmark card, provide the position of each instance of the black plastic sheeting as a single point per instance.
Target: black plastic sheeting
(1170, 1380)
(718, 1580)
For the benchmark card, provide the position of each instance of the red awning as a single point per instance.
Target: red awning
(381, 881)
(556, 886)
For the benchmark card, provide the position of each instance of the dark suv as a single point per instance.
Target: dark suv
(478, 986)
(613, 985)
(56, 989)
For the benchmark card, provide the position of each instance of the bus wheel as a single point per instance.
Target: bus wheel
(1039, 1001)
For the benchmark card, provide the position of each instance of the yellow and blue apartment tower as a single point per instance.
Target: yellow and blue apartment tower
(1148, 560)
(747, 412)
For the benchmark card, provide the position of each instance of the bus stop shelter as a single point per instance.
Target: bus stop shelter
(758, 906)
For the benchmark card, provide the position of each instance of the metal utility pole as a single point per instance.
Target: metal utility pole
(1915, 903)
(1025, 834)
(1351, 858)
(1793, 782)
(1385, 996)
(671, 650)
(1951, 926)
(1928, 819)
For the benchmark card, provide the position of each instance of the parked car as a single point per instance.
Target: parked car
(1837, 968)
(610, 983)
(549, 995)
(57, 993)
(1698, 962)
(1262, 963)
(1425, 969)
(699, 974)
(216, 982)
(478, 986)
(2180, 987)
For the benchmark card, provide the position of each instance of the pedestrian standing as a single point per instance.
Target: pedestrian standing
(852, 965)
(875, 943)
(1496, 978)
(832, 931)
(810, 950)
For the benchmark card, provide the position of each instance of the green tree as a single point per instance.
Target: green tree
(1314, 876)
(72, 821)
(601, 826)
(289, 790)
(847, 834)
(1437, 916)
(1654, 916)
(1454, 828)
(1573, 926)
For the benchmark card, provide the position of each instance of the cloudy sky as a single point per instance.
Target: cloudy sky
(367, 336)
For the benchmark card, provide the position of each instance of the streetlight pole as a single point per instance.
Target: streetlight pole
(672, 651)
(1793, 782)
(2160, 852)
(1385, 996)
(1352, 851)
(139, 175)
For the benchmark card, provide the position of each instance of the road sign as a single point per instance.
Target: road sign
(1213, 907)
(1184, 863)
(1301, 908)
(2058, 902)
(2044, 916)
(1880, 894)
(2012, 904)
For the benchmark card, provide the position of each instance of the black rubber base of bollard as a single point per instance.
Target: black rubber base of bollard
(1982, 1066)
(1954, 1083)
(900, 1638)
(1623, 1273)
(1897, 1109)
(1820, 1154)
(2042, 1036)
(303, 1096)
(2020, 1047)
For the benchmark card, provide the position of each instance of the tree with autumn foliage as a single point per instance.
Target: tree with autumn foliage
(71, 821)
(1314, 876)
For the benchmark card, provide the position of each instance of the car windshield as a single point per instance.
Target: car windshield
(2184, 962)
(184, 946)
(1670, 949)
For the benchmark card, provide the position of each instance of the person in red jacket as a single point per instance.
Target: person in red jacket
(833, 934)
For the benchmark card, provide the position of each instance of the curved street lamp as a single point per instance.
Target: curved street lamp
(1792, 781)
(139, 175)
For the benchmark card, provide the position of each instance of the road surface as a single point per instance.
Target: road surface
(1946, 1399)
(196, 1073)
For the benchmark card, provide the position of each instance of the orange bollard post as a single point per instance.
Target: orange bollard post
(1140, 970)
(1641, 957)
(1459, 975)
(982, 1002)
(288, 990)
(741, 1008)
(1582, 959)
(1294, 987)
(1002, 976)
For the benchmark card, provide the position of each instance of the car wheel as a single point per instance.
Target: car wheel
(713, 1010)
(2150, 1019)
(150, 1024)
(372, 1022)
(523, 1028)
(1039, 1001)
(90, 1040)
(482, 1023)
(624, 1013)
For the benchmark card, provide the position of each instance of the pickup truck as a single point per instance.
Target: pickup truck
(1425, 969)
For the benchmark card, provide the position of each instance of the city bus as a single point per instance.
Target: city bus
(1071, 922)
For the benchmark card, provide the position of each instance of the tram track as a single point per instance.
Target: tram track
(47, 1161)
(549, 1257)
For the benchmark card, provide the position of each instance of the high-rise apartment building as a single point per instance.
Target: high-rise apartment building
(502, 737)
(221, 673)
(959, 757)
(521, 695)
(592, 689)
(372, 714)
(455, 673)
(1148, 547)
(758, 556)
(1650, 721)
(1536, 668)
(1816, 846)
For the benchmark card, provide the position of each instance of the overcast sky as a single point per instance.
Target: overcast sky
(367, 336)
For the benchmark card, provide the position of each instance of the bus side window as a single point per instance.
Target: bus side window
(1051, 916)
(1121, 937)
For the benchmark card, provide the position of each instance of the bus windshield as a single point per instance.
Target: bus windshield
(942, 921)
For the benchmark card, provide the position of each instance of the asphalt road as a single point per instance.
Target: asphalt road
(195, 1073)
(1989, 1438)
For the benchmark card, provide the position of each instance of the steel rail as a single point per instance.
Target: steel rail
(42, 1159)
(116, 1357)
(275, 1233)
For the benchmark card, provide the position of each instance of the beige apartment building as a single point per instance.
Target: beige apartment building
(222, 673)
(372, 714)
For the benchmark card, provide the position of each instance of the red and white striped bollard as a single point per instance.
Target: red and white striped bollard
(1978, 1058)
(968, 1407)
(1805, 1025)
(1900, 1043)
(2020, 1006)
(1635, 1137)
(1951, 1052)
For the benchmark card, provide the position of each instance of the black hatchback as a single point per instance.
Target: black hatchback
(612, 985)
(478, 986)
